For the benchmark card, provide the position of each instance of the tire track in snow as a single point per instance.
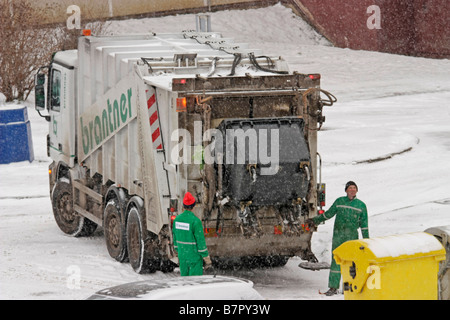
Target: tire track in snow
(445, 201)
(24, 197)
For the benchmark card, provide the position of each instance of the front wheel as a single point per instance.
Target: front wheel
(66, 218)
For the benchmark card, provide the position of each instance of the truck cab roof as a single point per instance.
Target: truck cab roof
(68, 58)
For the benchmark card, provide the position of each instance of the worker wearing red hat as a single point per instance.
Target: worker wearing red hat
(189, 240)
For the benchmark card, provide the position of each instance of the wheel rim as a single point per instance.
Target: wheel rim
(113, 232)
(65, 209)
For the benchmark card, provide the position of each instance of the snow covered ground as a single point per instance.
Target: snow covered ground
(387, 105)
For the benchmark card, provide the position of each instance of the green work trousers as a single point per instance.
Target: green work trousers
(191, 268)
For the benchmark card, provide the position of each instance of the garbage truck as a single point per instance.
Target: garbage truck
(136, 121)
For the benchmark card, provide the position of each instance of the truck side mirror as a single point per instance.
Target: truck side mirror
(39, 91)
(40, 99)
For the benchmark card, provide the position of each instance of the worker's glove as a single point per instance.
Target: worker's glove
(310, 223)
(208, 262)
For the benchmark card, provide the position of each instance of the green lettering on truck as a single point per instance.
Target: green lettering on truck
(123, 109)
(85, 136)
(97, 130)
(129, 101)
(103, 124)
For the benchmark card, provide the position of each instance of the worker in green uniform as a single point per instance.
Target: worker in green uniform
(351, 214)
(189, 240)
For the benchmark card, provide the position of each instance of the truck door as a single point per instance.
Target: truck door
(62, 115)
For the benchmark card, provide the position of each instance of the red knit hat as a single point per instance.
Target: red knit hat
(188, 200)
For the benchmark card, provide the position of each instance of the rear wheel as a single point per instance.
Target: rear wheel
(167, 266)
(276, 261)
(140, 244)
(250, 262)
(264, 261)
(114, 229)
(66, 218)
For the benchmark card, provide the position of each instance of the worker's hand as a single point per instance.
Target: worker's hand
(208, 262)
(310, 223)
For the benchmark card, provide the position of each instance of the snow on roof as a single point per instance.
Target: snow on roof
(164, 79)
(13, 107)
(405, 244)
(68, 57)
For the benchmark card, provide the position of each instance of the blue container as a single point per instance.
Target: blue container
(13, 114)
(15, 135)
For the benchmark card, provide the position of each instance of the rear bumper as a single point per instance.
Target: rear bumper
(265, 245)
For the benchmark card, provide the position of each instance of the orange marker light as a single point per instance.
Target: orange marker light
(181, 104)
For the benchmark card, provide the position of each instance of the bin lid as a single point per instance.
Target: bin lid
(381, 249)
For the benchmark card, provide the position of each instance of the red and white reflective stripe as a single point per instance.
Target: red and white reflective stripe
(154, 119)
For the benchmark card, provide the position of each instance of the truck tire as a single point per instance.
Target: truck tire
(139, 244)
(70, 222)
(253, 262)
(275, 261)
(114, 230)
(167, 266)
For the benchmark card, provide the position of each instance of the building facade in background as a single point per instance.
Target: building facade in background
(408, 27)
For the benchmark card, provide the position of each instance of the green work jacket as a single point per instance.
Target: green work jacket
(188, 237)
(350, 216)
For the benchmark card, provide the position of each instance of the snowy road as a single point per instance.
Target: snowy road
(388, 105)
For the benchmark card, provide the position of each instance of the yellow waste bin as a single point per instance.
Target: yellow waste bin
(398, 267)
(443, 235)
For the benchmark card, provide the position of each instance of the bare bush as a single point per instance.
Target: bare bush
(26, 45)
(23, 48)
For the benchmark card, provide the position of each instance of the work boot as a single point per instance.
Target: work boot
(331, 292)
